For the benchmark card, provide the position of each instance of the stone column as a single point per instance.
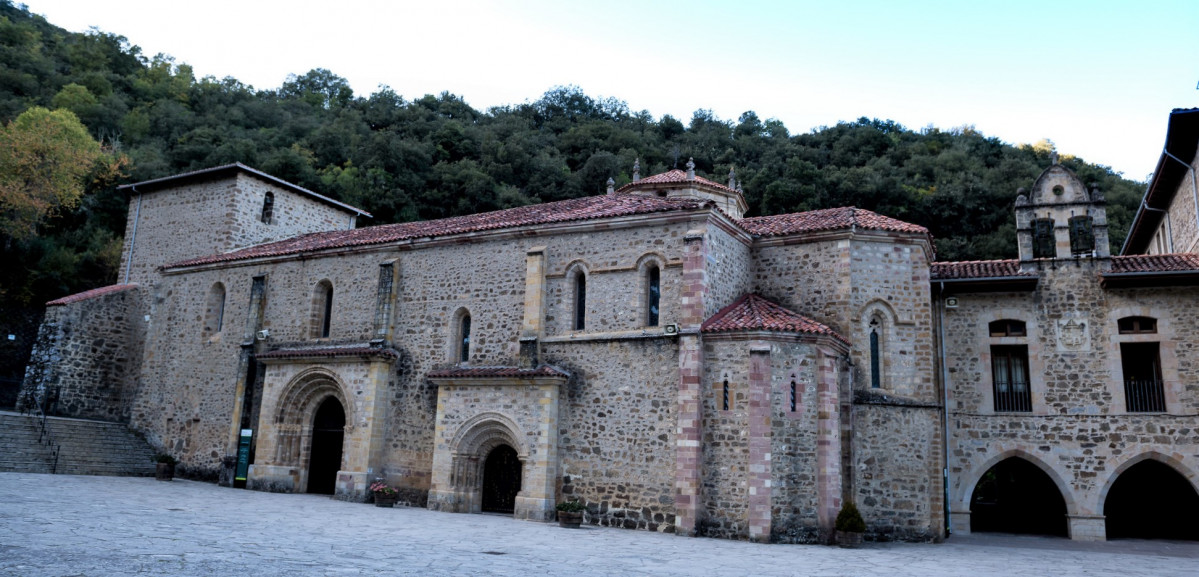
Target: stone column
(760, 430)
(532, 325)
(828, 442)
(689, 433)
(1087, 527)
(363, 445)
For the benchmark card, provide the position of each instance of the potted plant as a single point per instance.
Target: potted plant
(570, 514)
(164, 470)
(385, 495)
(850, 526)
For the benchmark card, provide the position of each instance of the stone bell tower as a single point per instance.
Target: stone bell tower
(1060, 218)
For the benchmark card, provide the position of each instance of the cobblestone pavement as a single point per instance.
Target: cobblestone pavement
(99, 526)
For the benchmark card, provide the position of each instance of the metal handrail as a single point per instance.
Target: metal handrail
(44, 431)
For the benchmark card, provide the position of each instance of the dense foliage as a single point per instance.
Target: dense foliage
(435, 156)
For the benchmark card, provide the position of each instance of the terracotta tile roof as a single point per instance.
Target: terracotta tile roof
(577, 209)
(1155, 263)
(330, 352)
(754, 313)
(496, 372)
(96, 292)
(675, 176)
(827, 219)
(972, 269)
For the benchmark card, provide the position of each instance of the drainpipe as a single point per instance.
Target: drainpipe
(944, 406)
(137, 214)
(1194, 186)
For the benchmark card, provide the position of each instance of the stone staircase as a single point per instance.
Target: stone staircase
(85, 447)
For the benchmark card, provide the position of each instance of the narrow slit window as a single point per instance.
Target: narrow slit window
(580, 320)
(464, 350)
(327, 317)
(793, 400)
(876, 377)
(653, 296)
(725, 391)
(268, 208)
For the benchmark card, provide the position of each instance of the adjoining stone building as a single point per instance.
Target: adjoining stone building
(651, 352)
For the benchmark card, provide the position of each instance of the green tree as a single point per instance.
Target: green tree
(46, 158)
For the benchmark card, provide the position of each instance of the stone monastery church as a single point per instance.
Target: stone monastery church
(655, 354)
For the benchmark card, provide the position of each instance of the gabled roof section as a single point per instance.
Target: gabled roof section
(752, 312)
(674, 176)
(91, 294)
(1157, 270)
(827, 219)
(577, 209)
(227, 171)
(1155, 263)
(976, 269)
(1182, 141)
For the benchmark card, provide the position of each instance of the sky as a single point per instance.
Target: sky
(1098, 78)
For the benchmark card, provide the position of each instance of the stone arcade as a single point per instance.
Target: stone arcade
(654, 353)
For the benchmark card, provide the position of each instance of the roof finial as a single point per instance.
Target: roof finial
(733, 178)
(1052, 157)
(637, 169)
(611, 186)
(690, 168)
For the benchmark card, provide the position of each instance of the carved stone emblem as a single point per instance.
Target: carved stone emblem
(1072, 335)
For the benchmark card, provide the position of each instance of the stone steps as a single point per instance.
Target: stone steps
(85, 447)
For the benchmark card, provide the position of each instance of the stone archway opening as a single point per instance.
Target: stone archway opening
(501, 480)
(1016, 496)
(1151, 500)
(328, 433)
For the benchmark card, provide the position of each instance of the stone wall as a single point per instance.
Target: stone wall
(724, 496)
(86, 357)
(1184, 216)
(215, 216)
(810, 278)
(1079, 430)
(729, 270)
(897, 481)
(794, 498)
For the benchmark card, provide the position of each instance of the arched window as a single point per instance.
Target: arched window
(214, 312)
(464, 338)
(653, 295)
(580, 312)
(876, 365)
(322, 309)
(268, 208)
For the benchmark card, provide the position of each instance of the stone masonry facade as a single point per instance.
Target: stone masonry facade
(651, 353)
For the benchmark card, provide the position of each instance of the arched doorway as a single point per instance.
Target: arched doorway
(1151, 500)
(1016, 496)
(501, 480)
(328, 429)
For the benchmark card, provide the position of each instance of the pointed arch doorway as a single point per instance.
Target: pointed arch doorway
(328, 433)
(501, 480)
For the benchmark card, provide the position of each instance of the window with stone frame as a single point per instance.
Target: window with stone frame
(653, 295)
(1082, 235)
(1044, 245)
(268, 208)
(1140, 362)
(580, 301)
(877, 351)
(322, 309)
(214, 312)
(463, 340)
(1010, 383)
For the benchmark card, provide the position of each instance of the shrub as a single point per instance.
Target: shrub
(850, 520)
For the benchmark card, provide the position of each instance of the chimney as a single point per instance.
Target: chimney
(611, 186)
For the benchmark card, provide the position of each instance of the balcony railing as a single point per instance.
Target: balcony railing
(1144, 396)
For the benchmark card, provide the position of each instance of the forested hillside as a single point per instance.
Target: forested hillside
(421, 157)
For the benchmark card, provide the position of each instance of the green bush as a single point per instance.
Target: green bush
(850, 520)
(571, 507)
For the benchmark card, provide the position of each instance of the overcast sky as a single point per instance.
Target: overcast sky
(1097, 78)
